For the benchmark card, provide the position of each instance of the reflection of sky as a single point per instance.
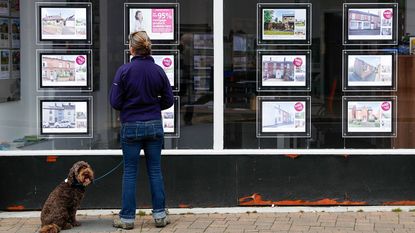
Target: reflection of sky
(286, 106)
(300, 14)
(373, 105)
(64, 12)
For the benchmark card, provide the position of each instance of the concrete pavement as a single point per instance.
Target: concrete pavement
(310, 222)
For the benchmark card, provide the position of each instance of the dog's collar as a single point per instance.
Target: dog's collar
(76, 185)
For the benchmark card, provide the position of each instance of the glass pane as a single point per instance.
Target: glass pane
(361, 103)
(73, 51)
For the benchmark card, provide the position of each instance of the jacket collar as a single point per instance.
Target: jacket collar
(139, 57)
(75, 184)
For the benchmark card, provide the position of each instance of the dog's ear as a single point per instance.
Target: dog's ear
(73, 172)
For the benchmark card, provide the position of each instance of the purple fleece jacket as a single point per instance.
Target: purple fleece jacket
(140, 90)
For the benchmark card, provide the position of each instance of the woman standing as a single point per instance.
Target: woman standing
(140, 91)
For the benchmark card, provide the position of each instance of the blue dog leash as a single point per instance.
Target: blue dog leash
(106, 174)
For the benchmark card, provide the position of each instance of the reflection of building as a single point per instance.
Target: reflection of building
(59, 20)
(359, 20)
(57, 113)
(57, 69)
(276, 116)
(278, 69)
(365, 66)
(288, 21)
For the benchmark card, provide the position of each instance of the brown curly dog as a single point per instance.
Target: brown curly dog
(59, 210)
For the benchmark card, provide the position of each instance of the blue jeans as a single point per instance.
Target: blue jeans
(147, 135)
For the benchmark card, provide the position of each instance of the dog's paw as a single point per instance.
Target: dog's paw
(76, 224)
(67, 226)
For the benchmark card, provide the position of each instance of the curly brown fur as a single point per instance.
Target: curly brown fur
(60, 208)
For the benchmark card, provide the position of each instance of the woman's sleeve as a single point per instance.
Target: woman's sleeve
(166, 100)
(117, 91)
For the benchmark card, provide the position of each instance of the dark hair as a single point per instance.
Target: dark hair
(140, 43)
(136, 13)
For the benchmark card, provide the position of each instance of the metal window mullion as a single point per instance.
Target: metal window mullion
(218, 83)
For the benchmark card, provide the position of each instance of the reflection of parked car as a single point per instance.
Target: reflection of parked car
(64, 124)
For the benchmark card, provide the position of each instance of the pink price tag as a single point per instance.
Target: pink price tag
(298, 62)
(387, 14)
(299, 107)
(80, 60)
(385, 106)
(167, 62)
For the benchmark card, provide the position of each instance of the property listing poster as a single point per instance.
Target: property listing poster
(15, 64)
(15, 35)
(283, 70)
(283, 116)
(4, 33)
(64, 117)
(4, 8)
(63, 23)
(167, 63)
(4, 64)
(369, 116)
(14, 8)
(168, 118)
(370, 70)
(284, 24)
(157, 22)
(64, 70)
(370, 24)
(412, 45)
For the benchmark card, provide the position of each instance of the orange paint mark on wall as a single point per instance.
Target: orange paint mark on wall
(399, 203)
(256, 200)
(292, 156)
(16, 208)
(51, 159)
(184, 206)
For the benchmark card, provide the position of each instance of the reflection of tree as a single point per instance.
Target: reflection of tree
(268, 16)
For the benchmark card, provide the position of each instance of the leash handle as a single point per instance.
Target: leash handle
(115, 168)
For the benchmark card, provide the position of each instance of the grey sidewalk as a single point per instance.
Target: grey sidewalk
(248, 222)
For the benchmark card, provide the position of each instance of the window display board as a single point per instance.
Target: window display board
(65, 70)
(4, 8)
(169, 60)
(283, 116)
(4, 33)
(203, 41)
(370, 23)
(5, 64)
(65, 117)
(284, 23)
(202, 82)
(159, 20)
(370, 70)
(369, 116)
(202, 62)
(171, 120)
(15, 33)
(283, 70)
(64, 23)
(15, 64)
